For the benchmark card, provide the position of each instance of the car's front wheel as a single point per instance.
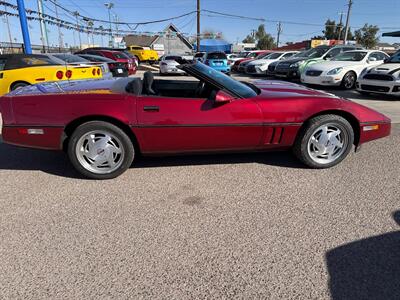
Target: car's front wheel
(100, 150)
(349, 80)
(324, 141)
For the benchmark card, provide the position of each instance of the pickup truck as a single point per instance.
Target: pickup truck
(143, 54)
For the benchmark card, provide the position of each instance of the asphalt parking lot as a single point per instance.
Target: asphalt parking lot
(249, 226)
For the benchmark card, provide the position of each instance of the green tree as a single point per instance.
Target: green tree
(330, 32)
(264, 40)
(367, 36)
(249, 39)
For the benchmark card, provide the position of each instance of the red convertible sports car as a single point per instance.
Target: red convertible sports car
(104, 124)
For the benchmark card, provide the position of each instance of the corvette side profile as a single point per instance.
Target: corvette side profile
(104, 124)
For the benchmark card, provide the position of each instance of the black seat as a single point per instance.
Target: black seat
(134, 86)
(148, 80)
(127, 85)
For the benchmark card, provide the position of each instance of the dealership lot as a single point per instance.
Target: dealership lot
(216, 226)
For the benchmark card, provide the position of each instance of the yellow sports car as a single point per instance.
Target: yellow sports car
(18, 70)
(143, 54)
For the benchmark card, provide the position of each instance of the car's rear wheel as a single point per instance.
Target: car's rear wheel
(324, 141)
(18, 85)
(100, 150)
(349, 80)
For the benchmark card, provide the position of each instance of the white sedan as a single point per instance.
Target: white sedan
(169, 63)
(260, 66)
(344, 69)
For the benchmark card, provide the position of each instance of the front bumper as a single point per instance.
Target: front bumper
(223, 69)
(254, 70)
(379, 86)
(370, 131)
(291, 73)
(325, 80)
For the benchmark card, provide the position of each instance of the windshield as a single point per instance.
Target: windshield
(395, 58)
(70, 58)
(221, 79)
(120, 55)
(264, 56)
(350, 56)
(216, 55)
(315, 52)
(273, 55)
(243, 54)
(96, 58)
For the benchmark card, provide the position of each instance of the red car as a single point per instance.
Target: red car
(117, 56)
(251, 56)
(104, 124)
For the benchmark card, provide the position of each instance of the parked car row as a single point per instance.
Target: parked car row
(19, 70)
(346, 66)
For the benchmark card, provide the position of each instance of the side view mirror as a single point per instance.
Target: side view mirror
(386, 60)
(223, 97)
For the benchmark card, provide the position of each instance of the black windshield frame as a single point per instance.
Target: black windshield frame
(220, 80)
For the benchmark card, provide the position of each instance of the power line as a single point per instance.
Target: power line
(125, 23)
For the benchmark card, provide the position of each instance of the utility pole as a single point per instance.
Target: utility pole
(43, 28)
(116, 19)
(198, 26)
(109, 6)
(279, 28)
(24, 26)
(340, 25)
(8, 28)
(76, 14)
(348, 21)
(60, 37)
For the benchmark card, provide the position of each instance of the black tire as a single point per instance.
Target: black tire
(18, 85)
(126, 143)
(300, 147)
(349, 80)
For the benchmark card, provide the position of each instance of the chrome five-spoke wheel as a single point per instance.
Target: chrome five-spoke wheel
(324, 141)
(326, 144)
(100, 150)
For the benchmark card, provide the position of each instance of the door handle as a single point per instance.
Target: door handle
(151, 108)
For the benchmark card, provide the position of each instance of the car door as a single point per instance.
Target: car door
(167, 124)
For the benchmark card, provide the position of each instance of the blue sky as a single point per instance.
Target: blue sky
(384, 13)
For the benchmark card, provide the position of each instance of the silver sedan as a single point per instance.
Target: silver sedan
(169, 63)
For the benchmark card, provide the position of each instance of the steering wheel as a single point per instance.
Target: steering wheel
(200, 88)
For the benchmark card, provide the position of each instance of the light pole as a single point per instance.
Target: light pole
(109, 7)
(24, 26)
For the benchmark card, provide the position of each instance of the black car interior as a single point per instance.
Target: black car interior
(164, 88)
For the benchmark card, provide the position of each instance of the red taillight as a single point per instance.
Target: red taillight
(68, 74)
(229, 62)
(59, 74)
(98, 72)
(93, 72)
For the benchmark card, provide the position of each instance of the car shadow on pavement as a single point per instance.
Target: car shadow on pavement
(57, 163)
(366, 269)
